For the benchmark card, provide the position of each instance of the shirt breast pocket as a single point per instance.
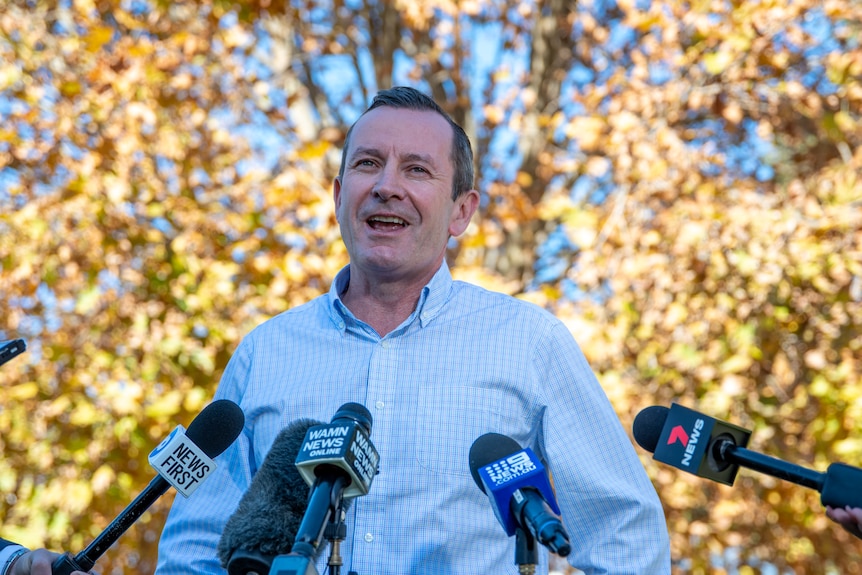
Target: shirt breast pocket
(450, 419)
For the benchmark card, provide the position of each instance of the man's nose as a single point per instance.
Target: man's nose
(389, 185)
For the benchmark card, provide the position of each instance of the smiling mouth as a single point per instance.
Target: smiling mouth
(383, 223)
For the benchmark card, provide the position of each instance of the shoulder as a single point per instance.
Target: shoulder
(506, 320)
(472, 298)
(313, 314)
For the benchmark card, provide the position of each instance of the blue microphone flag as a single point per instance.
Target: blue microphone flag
(502, 478)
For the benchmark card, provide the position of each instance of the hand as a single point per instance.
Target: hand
(36, 562)
(850, 518)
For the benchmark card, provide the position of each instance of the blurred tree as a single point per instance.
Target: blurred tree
(677, 181)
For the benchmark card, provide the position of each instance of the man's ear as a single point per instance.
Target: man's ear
(336, 194)
(465, 206)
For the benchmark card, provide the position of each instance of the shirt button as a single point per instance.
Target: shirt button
(379, 405)
(385, 344)
(369, 537)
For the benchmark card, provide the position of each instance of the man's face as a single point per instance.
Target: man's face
(394, 200)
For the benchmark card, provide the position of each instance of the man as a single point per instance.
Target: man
(17, 560)
(439, 363)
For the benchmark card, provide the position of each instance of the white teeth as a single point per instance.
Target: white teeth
(389, 220)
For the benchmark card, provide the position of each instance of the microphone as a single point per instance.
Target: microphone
(519, 490)
(339, 462)
(268, 516)
(11, 348)
(714, 449)
(184, 460)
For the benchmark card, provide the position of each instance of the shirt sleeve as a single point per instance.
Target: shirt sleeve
(8, 550)
(609, 506)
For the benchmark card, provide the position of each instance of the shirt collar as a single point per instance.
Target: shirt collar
(431, 301)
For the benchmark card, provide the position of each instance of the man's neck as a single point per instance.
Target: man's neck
(382, 305)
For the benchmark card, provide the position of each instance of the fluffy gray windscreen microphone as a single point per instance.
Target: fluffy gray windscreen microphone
(269, 514)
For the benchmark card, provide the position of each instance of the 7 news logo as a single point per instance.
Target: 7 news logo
(689, 442)
(686, 440)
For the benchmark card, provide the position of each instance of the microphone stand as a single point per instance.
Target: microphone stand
(324, 507)
(526, 554)
(335, 533)
(86, 559)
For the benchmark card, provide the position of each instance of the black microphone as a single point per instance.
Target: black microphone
(519, 490)
(183, 459)
(269, 514)
(715, 449)
(11, 348)
(338, 461)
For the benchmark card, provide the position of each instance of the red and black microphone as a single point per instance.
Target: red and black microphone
(714, 449)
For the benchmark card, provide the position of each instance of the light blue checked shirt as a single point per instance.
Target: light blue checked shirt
(466, 362)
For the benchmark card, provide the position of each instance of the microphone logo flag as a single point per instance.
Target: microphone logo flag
(506, 476)
(180, 462)
(686, 440)
(344, 445)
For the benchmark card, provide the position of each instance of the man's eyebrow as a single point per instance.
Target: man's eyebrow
(414, 157)
(408, 157)
(364, 151)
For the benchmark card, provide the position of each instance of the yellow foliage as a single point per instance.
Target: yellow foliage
(314, 150)
(166, 404)
(23, 391)
(694, 280)
(97, 37)
(587, 131)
